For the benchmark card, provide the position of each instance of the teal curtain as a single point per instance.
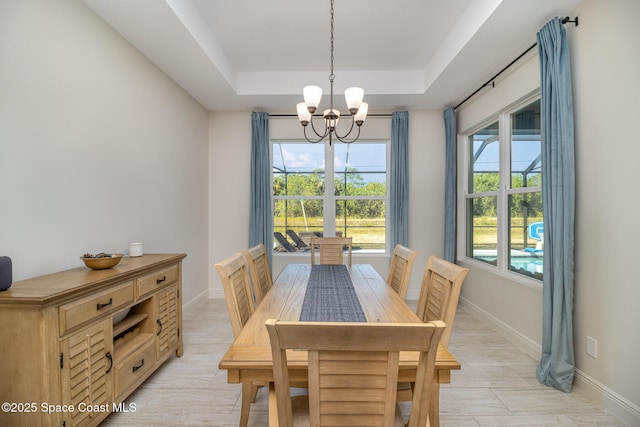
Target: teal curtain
(260, 215)
(450, 125)
(399, 180)
(557, 364)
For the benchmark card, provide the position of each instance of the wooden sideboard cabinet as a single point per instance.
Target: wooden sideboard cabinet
(66, 359)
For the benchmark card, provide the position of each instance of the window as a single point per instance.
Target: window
(504, 223)
(334, 190)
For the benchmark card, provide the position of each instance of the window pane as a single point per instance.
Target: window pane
(298, 184)
(299, 215)
(526, 234)
(483, 226)
(298, 169)
(526, 159)
(364, 221)
(360, 184)
(485, 160)
(360, 169)
(362, 157)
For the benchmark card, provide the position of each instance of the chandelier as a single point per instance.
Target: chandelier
(312, 96)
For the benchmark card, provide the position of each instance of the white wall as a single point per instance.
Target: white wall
(605, 68)
(98, 148)
(230, 152)
(229, 185)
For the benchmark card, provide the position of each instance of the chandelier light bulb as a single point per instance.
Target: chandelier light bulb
(331, 118)
(312, 96)
(354, 96)
(303, 113)
(361, 115)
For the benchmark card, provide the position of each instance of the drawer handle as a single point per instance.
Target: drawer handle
(100, 306)
(135, 368)
(108, 356)
(159, 322)
(158, 281)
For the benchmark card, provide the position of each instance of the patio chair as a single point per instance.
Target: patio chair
(283, 242)
(300, 244)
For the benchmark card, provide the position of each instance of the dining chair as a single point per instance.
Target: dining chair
(441, 285)
(352, 371)
(259, 271)
(400, 269)
(439, 294)
(234, 274)
(331, 249)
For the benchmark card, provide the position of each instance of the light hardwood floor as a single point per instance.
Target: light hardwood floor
(496, 386)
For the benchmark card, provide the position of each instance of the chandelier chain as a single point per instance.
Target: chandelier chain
(332, 75)
(353, 96)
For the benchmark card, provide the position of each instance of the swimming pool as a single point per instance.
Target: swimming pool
(520, 262)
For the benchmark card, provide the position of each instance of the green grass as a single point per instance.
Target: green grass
(367, 233)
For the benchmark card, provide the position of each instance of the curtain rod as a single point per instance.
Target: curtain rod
(320, 115)
(491, 80)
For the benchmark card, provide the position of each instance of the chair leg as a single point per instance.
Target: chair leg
(254, 392)
(246, 403)
(434, 406)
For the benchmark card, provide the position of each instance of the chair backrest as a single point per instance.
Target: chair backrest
(353, 369)
(331, 249)
(441, 285)
(400, 269)
(259, 269)
(282, 241)
(234, 274)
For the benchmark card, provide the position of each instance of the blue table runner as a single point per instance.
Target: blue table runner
(330, 296)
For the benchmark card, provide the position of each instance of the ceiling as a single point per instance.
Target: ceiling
(243, 55)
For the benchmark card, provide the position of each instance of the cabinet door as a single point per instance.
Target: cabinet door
(168, 321)
(86, 362)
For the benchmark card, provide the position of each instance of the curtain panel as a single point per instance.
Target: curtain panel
(557, 364)
(450, 188)
(260, 214)
(399, 180)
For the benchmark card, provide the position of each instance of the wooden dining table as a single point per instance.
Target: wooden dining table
(248, 359)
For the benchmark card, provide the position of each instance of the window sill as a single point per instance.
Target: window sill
(514, 277)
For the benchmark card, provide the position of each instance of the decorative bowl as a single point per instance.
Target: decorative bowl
(101, 261)
(119, 316)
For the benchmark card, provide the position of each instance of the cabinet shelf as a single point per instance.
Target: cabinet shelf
(128, 322)
(131, 346)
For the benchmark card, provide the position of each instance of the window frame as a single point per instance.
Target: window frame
(329, 199)
(505, 190)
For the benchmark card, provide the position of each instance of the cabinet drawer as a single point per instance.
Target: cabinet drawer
(135, 366)
(155, 280)
(94, 306)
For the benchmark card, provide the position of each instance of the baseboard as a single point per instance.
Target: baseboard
(199, 299)
(598, 392)
(216, 293)
(523, 342)
(609, 399)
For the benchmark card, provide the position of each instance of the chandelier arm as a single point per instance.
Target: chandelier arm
(343, 138)
(346, 135)
(326, 130)
(320, 137)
